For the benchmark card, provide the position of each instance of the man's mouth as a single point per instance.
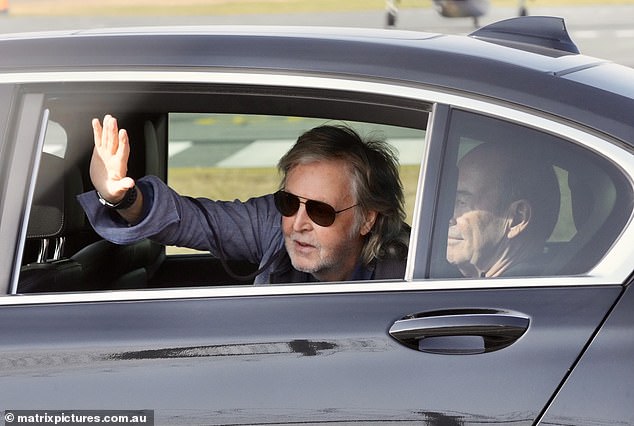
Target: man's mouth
(454, 239)
(303, 246)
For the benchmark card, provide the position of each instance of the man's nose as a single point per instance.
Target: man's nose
(301, 220)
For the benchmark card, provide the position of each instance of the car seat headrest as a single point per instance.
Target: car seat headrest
(55, 212)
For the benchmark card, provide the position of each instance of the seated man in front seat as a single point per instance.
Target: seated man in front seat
(507, 205)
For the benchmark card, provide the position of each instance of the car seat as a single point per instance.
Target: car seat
(599, 210)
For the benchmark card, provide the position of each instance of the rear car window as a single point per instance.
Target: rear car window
(560, 206)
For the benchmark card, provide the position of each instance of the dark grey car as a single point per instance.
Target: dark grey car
(91, 325)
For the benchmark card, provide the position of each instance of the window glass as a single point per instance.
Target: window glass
(519, 202)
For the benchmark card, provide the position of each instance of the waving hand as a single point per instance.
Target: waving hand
(109, 163)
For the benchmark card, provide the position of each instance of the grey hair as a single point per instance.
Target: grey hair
(376, 183)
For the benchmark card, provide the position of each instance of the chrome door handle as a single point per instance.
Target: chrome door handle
(460, 332)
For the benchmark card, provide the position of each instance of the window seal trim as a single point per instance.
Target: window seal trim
(20, 177)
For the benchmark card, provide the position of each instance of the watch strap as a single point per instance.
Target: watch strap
(128, 199)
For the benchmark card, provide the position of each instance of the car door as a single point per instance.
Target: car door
(434, 347)
(326, 356)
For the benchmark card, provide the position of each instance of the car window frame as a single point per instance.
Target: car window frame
(613, 269)
(24, 158)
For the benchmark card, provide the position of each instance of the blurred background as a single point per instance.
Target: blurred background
(603, 29)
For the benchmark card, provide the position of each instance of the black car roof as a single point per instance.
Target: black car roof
(581, 88)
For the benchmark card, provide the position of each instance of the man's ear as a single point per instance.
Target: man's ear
(368, 222)
(520, 216)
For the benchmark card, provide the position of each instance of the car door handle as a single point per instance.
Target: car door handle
(460, 332)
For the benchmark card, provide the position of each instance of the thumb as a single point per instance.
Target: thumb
(127, 183)
(116, 189)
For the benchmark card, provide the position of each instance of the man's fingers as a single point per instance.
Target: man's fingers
(123, 145)
(109, 136)
(123, 152)
(97, 130)
(106, 134)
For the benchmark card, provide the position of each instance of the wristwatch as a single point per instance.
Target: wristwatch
(128, 199)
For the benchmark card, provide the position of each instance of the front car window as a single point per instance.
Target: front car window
(202, 145)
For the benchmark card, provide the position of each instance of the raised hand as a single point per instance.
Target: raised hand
(109, 162)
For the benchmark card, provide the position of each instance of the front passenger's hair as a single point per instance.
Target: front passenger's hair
(374, 168)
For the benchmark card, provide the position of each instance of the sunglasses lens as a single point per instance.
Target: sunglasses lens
(320, 213)
(286, 203)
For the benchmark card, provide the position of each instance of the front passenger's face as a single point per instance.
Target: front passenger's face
(477, 229)
(329, 253)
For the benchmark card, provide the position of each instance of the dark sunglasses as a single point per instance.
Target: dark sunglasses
(319, 212)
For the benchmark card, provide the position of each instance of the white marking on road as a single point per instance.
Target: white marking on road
(592, 34)
(178, 147)
(625, 33)
(259, 153)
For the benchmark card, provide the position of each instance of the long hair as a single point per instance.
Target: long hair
(373, 167)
